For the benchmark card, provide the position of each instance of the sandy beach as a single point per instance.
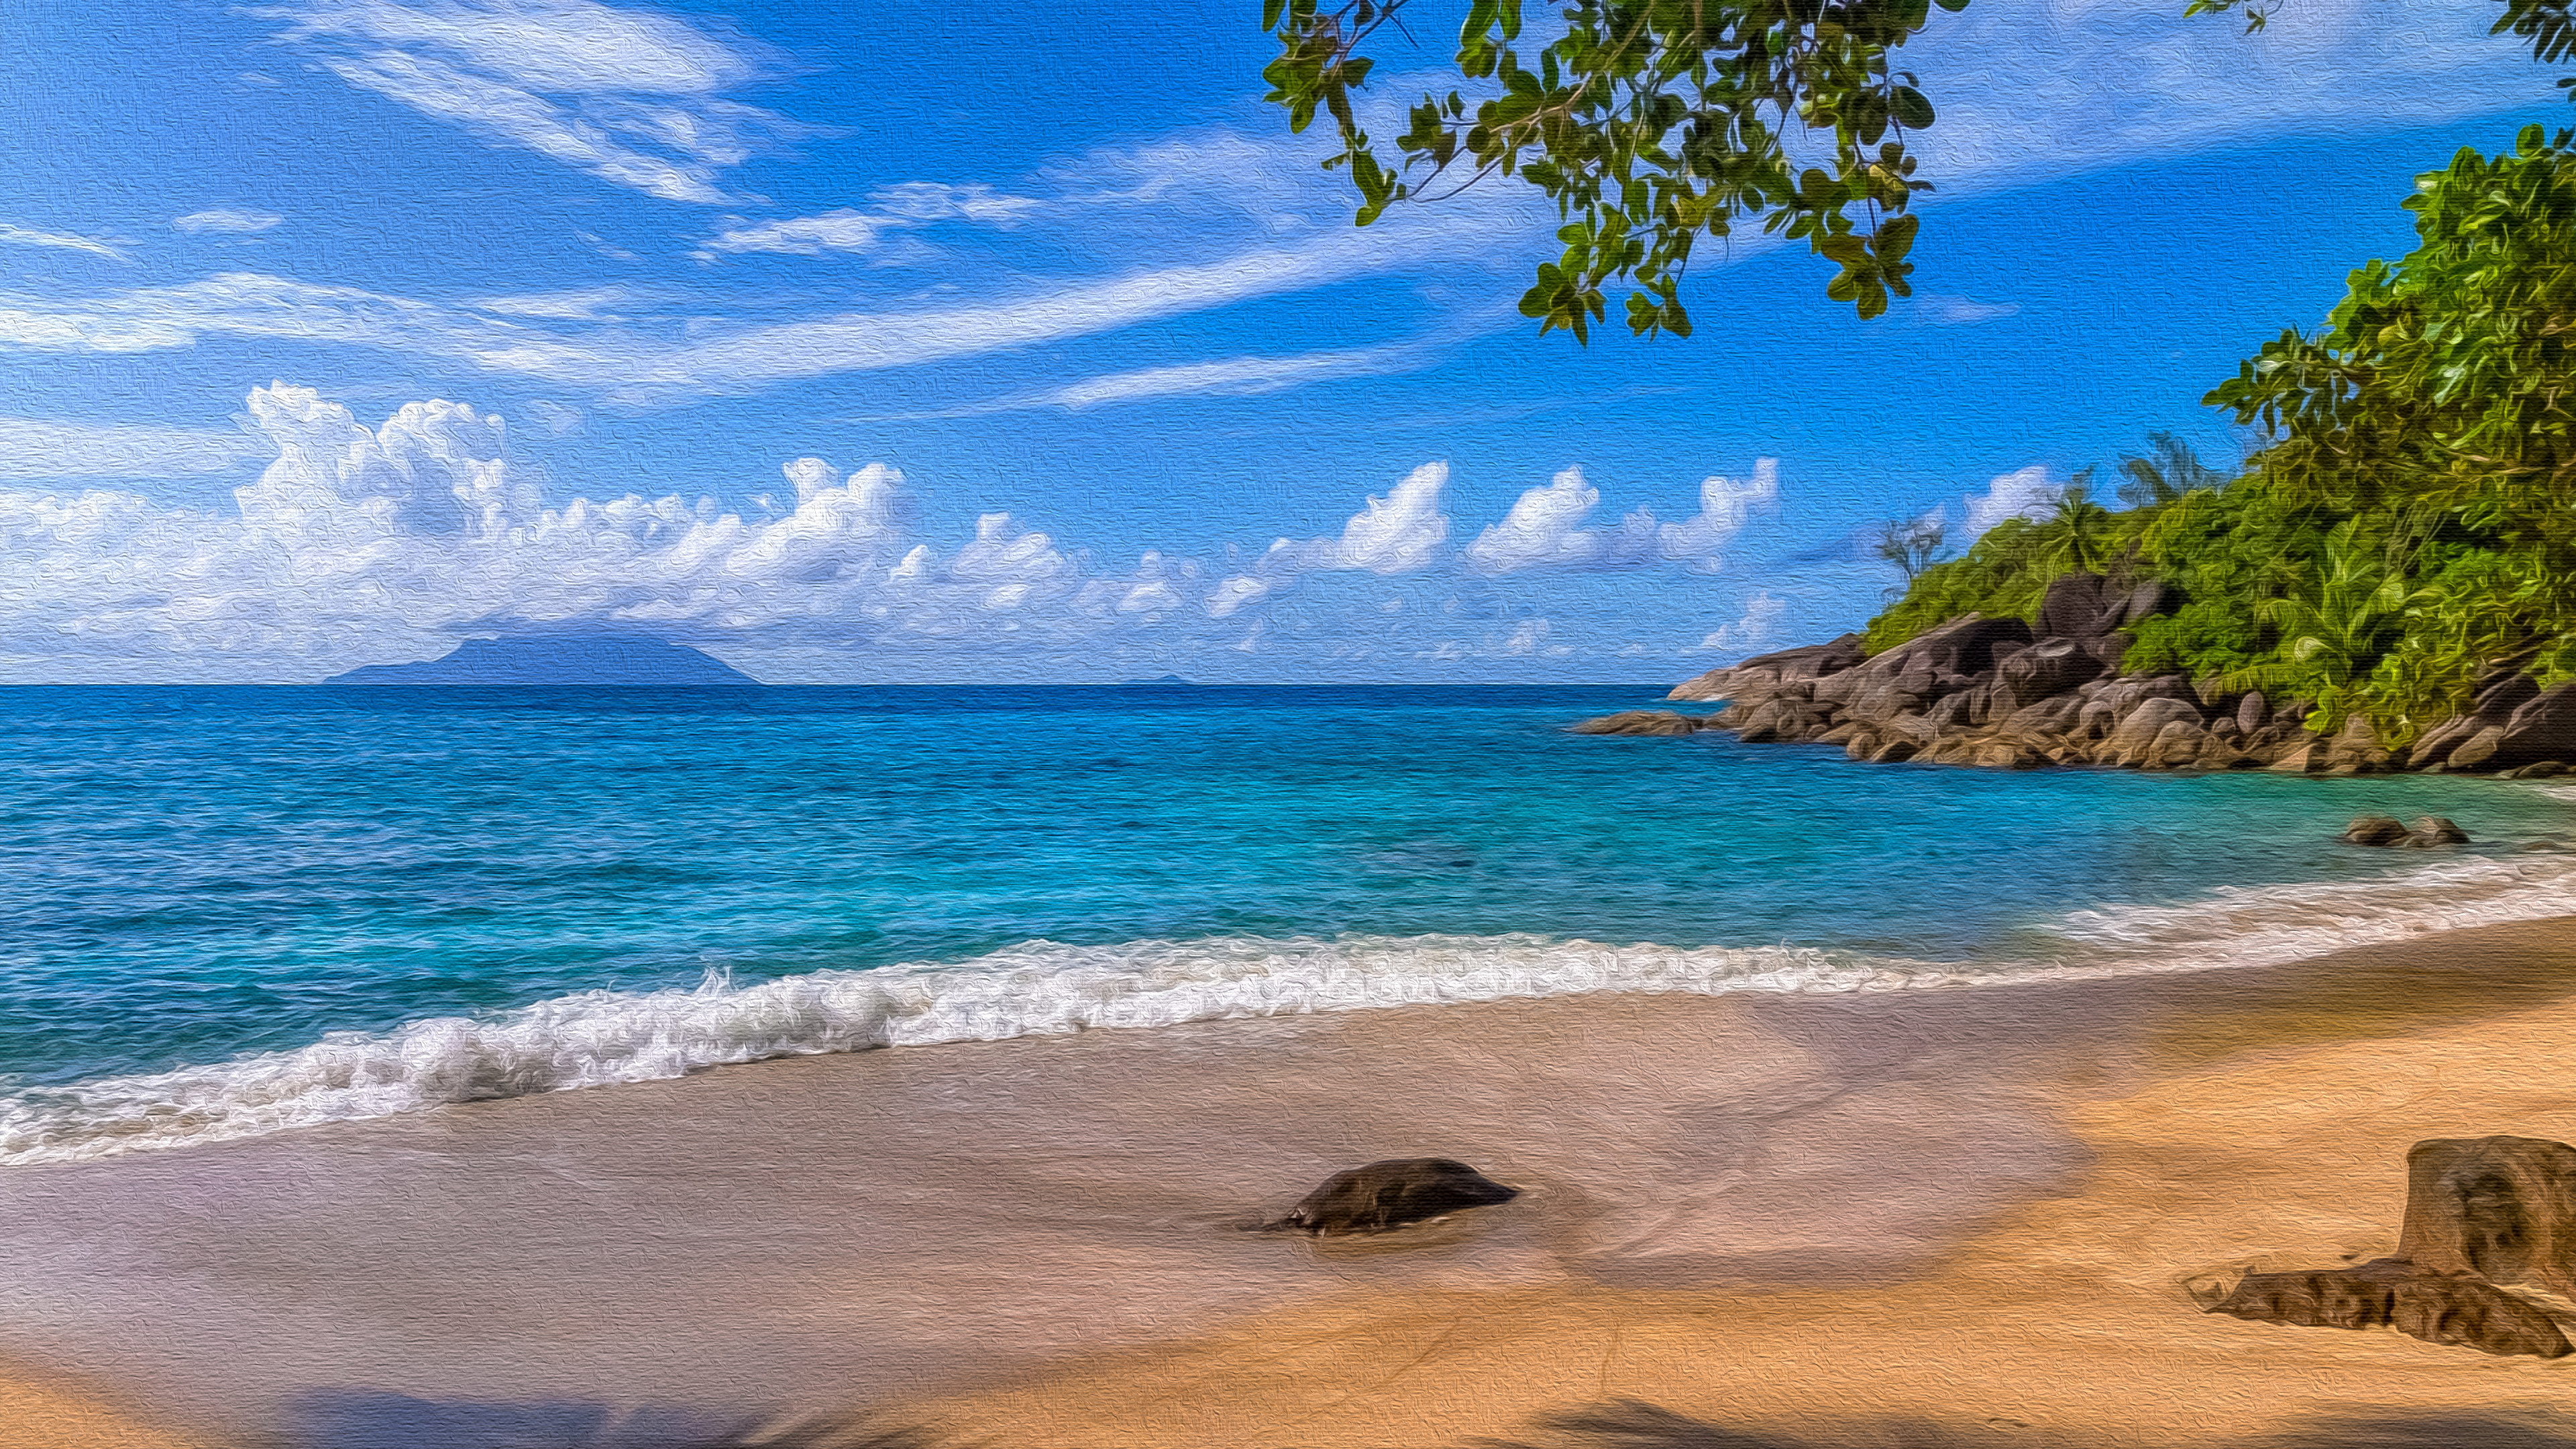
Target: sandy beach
(1929, 1216)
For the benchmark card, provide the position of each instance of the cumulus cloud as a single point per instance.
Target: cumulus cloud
(1397, 532)
(1758, 624)
(230, 220)
(632, 97)
(359, 543)
(1726, 505)
(1544, 530)
(2024, 493)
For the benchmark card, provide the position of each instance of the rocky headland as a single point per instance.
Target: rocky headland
(2003, 694)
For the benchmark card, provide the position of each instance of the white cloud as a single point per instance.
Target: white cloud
(2029, 89)
(516, 117)
(1754, 628)
(1399, 532)
(548, 45)
(358, 543)
(1725, 507)
(34, 448)
(2025, 493)
(896, 208)
(632, 97)
(1946, 311)
(20, 236)
(230, 220)
(580, 304)
(1543, 530)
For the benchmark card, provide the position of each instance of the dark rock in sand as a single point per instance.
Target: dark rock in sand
(1391, 1194)
(2374, 830)
(2409, 1297)
(2501, 1207)
(1636, 722)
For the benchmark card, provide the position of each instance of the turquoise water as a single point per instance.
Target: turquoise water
(462, 894)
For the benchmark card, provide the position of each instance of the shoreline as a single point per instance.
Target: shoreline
(2256, 1126)
(1863, 1196)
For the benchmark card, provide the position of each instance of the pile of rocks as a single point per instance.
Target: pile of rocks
(2002, 694)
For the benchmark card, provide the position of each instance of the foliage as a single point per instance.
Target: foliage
(1912, 544)
(2408, 525)
(1653, 123)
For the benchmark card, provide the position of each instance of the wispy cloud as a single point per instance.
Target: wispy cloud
(231, 220)
(895, 209)
(20, 236)
(1941, 310)
(634, 98)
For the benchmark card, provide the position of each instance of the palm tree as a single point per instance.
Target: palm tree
(2069, 541)
(2171, 473)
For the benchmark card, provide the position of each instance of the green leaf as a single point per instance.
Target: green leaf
(1910, 109)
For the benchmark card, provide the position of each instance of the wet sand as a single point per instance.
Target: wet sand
(1829, 1219)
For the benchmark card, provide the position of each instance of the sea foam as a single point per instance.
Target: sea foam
(601, 1037)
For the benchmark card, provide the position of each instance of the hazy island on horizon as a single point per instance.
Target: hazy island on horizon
(580, 661)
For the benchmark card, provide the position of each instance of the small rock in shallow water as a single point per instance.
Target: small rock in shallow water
(2436, 830)
(1636, 722)
(1391, 1194)
(2374, 830)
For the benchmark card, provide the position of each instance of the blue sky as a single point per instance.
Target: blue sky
(914, 343)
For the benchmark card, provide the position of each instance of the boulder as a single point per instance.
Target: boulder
(2374, 830)
(2478, 751)
(2542, 728)
(2433, 747)
(2138, 728)
(2048, 717)
(2498, 698)
(2436, 830)
(2409, 1297)
(2074, 607)
(2045, 669)
(1386, 1195)
(2253, 711)
(2141, 603)
(1966, 645)
(1636, 722)
(2500, 1207)
(2178, 744)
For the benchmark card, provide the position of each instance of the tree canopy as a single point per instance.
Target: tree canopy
(1653, 123)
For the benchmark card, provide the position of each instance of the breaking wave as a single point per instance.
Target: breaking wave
(601, 1037)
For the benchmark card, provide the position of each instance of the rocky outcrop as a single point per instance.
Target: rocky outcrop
(2392, 1293)
(2503, 1208)
(1386, 1195)
(1637, 722)
(2001, 694)
(2481, 1213)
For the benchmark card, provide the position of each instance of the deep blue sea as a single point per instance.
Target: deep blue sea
(227, 911)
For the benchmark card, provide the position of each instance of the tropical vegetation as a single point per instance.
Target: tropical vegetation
(2411, 520)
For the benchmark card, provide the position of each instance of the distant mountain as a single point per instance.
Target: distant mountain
(584, 661)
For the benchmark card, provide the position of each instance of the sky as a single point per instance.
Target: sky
(919, 343)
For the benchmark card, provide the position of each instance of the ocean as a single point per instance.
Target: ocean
(226, 912)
